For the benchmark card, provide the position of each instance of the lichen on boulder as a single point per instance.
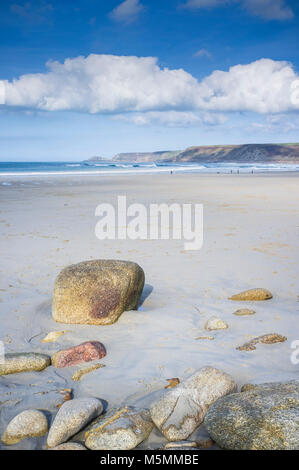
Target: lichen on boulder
(97, 292)
(119, 429)
(29, 423)
(261, 417)
(71, 418)
(181, 410)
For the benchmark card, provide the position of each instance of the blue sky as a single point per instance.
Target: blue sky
(95, 77)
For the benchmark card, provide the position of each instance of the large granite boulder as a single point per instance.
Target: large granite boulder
(182, 409)
(264, 417)
(97, 292)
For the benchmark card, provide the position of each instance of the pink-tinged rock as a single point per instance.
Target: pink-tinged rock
(85, 352)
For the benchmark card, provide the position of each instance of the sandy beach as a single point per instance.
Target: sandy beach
(250, 240)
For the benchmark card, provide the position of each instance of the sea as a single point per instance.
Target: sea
(14, 169)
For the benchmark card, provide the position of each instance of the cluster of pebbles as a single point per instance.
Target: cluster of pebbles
(97, 292)
(234, 420)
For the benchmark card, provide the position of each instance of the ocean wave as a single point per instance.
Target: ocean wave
(118, 168)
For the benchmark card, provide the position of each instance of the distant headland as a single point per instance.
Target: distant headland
(248, 153)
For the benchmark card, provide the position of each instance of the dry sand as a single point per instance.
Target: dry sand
(251, 233)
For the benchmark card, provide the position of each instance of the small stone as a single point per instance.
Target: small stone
(53, 336)
(205, 443)
(265, 417)
(97, 292)
(67, 394)
(271, 338)
(69, 446)
(253, 295)
(181, 445)
(29, 423)
(180, 411)
(215, 323)
(210, 338)
(71, 418)
(243, 312)
(85, 352)
(121, 429)
(190, 449)
(247, 387)
(77, 376)
(23, 362)
(172, 382)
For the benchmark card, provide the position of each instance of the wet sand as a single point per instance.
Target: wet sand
(251, 233)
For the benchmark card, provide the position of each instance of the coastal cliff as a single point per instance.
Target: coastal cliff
(249, 153)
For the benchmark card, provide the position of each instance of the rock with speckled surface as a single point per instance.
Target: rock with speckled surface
(71, 418)
(181, 410)
(84, 352)
(29, 423)
(262, 417)
(253, 295)
(23, 362)
(69, 446)
(271, 338)
(243, 312)
(119, 429)
(215, 323)
(97, 292)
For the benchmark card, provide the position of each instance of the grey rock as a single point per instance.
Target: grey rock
(119, 429)
(71, 418)
(69, 446)
(181, 410)
(262, 417)
(186, 445)
(23, 362)
(29, 423)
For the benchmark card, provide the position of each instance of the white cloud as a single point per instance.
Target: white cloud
(173, 118)
(213, 119)
(104, 83)
(264, 86)
(120, 84)
(127, 11)
(278, 123)
(203, 53)
(37, 13)
(166, 118)
(206, 3)
(267, 9)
